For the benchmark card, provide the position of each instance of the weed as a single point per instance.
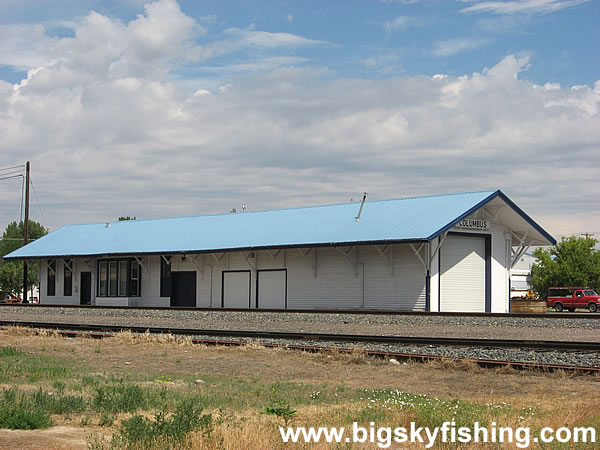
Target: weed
(119, 398)
(10, 351)
(166, 430)
(18, 413)
(57, 404)
(286, 412)
(97, 350)
(59, 386)
(106, 420)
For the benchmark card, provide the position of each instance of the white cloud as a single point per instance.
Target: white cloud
(399, 23)
(265, 39)
(106, 141)
(457, 45)
(520, 6)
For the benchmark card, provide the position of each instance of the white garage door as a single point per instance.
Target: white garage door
(271, 289)
(236, 289)
(462, 284)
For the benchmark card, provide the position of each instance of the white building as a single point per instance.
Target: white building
(520, 275)
(437, 253)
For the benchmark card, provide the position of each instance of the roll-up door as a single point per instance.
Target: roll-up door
(463, 271)
(236, 289)
(271, 289)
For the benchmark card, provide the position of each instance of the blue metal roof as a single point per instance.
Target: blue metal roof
(409, 219)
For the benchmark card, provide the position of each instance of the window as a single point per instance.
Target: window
(122, 278)
(119, 278)
(51, 278)
(112, 279)
(165, 276)
(68, 278)
(135, 279)
(103, 283)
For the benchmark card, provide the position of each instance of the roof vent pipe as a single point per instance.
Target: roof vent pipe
(357, 218)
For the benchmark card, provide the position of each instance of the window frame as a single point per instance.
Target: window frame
(115, 287)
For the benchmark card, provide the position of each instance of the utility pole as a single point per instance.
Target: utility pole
(26, 237)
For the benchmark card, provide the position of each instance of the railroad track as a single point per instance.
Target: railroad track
(355, 338)
(241, 337)
(547, 315)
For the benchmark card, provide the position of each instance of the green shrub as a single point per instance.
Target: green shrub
(119, 398)
(166, 430)
(10, 351)
(17, 412)
(286, 412)
(58, 404)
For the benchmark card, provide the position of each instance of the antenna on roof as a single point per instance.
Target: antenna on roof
(357, 218)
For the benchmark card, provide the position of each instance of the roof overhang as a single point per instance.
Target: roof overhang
(220, 250)
(524, 230)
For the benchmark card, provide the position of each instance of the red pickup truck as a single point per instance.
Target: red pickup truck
(570, 298)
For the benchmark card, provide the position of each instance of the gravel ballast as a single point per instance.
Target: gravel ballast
(542, 328)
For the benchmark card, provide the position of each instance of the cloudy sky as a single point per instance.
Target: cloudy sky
(170, 108)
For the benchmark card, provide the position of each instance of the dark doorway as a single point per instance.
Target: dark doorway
(85, 290)
(183, 289)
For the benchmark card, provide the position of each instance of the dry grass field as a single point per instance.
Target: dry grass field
(161, 392)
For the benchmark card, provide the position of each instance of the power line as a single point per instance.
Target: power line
(11, 168)
(13, 176)
(38, 203)
(22, 195)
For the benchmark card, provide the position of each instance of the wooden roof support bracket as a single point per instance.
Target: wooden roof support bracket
(352, 259)
(140, 261)
(313, 263)
(69, 264)
(521, 249)
(52, 271)
(92, 268)
(247, 259)
(390, 261)
(194, 261)
(417, 252)
(214, 255)
(441, 240)
(274, 255)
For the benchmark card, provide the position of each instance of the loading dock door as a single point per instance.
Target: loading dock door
(463, 274)
(236, 289)
(271, 289)
(183, 289)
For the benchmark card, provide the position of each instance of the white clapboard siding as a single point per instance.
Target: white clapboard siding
(400, 289)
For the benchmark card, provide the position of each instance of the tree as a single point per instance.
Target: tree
(574, 261)
(11, 272)
(123, 218)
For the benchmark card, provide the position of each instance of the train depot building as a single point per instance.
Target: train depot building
(437, 253)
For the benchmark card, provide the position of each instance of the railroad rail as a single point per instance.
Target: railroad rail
(335, 337)
(216, 337)
(546, 315)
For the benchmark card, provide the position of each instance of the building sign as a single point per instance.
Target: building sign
(473, 224)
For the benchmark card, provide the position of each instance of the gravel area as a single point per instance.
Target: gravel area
(557, 357)
(542, 328)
